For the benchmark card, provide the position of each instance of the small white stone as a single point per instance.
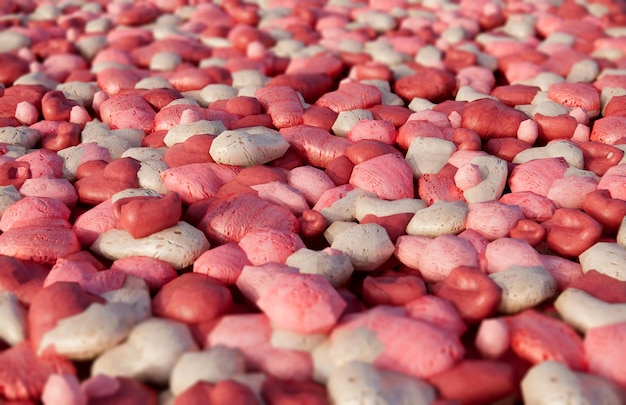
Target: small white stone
(289, 340)
(367, 245)
(365, 204)
(8, 196)
(212, 365)
(428, 155)
(606, 258)
(179, 245)
(81, 92)
(149, 354)
(420, 104)
(133, 192)
(347, 119)
(165, 61)
(215, 92)
(11, 40)
(22, 136)
(181, 132)
(557, 148)
(494, 172)
(551, 382)
(144, 154)
(441, 218)
(337, 267)
(584, 311)
(246, 78)
(344, 209)
(523, 287)
(156, 82)
(13, 326)
(248, 147)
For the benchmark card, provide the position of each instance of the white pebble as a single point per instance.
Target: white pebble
(215, 92)
(494, 172)
(366, 204)
(551, 382)
(621, 233)
(149, 354)
(347, 119)
(247, 78)
(179, 245)
(155, 82)
(335, 267)
(165, 61)
(81, 92)
(144, 154)
(37, 78)
(428, 155)
(344, 209)
(290, 340)
(584, 311)
(557, 148)
(367, 245)
(248, 147)
(441, 218)
(584, 71)
(429, 56)
(11, 40)
(606, 258)
(420, 104)
(13, 326)
(523, 287)
(8, 196)
(22, 136)
(133, 192)
(211, 365)
(181, 132)
(149, 175)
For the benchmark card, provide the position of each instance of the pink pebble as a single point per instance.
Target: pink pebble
(467, 176)
(534, 206)
(506, 252)
(310, 181)
(492, 339)
(282, 194)
(282, 104)
(605, 352)
(570, 191)
(195, 181)
(63, 389)
(268, 245)
(316, 145)
(32, 209)
(537, 175)
(128, 111)
(435, 258)
(26, 113)
(388, 176)
(43, 162)
(89, 225)
(224, 263)
(609, 130)
(438, 312)
(382, 131)
(528, 131)
(492, 219)
(350, 96)
(51, 187)
(564, 271)
(156, 273)
(86, 275)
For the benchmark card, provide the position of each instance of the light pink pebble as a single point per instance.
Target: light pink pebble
(79, 115)
(193, 182)
(351, 96)
(492, 219)
(315, 144)
(302, 303)
(438, 312)
(570, 191)
(610, 130)
(537, 175)
(223, 263)
(440, 119)
(51, 187)
(169, 117)
(506, 252)
(388, 176)
(282, 104)
(580, 115)
(155, 272)
(99, 97)
(564, 271)
(493, 338)
(382, 131)
(329, 197)
(310, 181)
(528, 131)
(63, 389)
(411, 346)
(581, 133)
(86, 275)
(435, 258)
(242, 331)
(33, 208)
(455, 119)
(605, 352)
(479, 243)
(467, 176)
(614, 180)
(43, 162)
(269, 245)
(89, 225)
(282, 194)
(100, 385)
(26, 113)
(128, 111)
(464, 156)
(534, 206)
(253, 281)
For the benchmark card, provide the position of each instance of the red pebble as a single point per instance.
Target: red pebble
(505, 126)
(11, 68)
(339, 170)
(608, 211)
(601, 286)
(350, 96)
(570, 232)
(22, 278)
(154, 272)
(529, 230)
(437, 187)
(605, 352)
(472, 292)
(288, 392)
(129, 392)
(395, 114)
(192, 298)
(53, 303)
(515, 94)
(558, 127)
(321, 117)
(14, 173)
(476, 382)
(392, 289)
(536, 337)
(310, 86)
(143, 216)
(55, 107)
(117, 176)
(66, 135)
(225, 392)
(367, 149)
(312, 223)
(23, 373)
(506, 148)
(600, 157)
(432, 84)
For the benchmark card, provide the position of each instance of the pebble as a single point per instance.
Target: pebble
(440, 218)
(331, 263)
(178, 245)
(523, 287)
(13, 330)
(367, 246)
(248, 147)
(584, 311)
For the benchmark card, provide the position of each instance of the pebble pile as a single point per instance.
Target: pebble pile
(312, 202)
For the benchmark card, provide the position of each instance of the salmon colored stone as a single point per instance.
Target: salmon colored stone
(118, 175)
(350, 96)
(570, 232)
(601, 286)
(22, 278)
(155, 272)
(505, 127)
(599, 157)
(143, 216)
(316, 145)
(192, 298)
(604, 353)
(432, 84)
(515, 94)
(528, 230)
(392, 289)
